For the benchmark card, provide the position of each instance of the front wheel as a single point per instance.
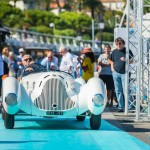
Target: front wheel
(8, 120)
(82, 117)
(95, 121)
(3, 114)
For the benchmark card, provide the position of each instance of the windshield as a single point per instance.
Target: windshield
(36, 68)
(33, 68)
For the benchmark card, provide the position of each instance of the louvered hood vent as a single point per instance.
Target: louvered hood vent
(54, 96)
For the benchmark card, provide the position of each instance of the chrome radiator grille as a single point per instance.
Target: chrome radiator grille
(54, 96)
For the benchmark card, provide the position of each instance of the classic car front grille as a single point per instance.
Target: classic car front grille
(54, 96)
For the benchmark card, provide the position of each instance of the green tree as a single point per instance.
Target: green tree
(58, 4)
(38, 17)
(76, 21)
(94, 6)
(9, 15)
(109, 18)
(47, 3)
(66, 32)
(70, 5)
(146, 9)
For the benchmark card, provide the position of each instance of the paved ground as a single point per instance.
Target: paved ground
(139, 129)
(29, 135)
(67, 133)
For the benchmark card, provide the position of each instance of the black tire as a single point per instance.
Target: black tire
(2, 110)
(8, 120)
(0, 107)
(95, 121)
(82, 117)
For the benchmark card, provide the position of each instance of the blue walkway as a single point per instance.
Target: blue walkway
(65, 134)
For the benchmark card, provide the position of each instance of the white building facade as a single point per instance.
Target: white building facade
(28, 4)
(113, 4)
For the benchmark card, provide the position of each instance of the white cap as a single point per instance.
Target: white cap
(21, 50)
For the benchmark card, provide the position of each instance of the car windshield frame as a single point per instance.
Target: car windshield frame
(38, 68)
(33, 68)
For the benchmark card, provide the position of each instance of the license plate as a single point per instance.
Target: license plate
(54, 113)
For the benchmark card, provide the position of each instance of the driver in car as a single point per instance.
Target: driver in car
(26, 60)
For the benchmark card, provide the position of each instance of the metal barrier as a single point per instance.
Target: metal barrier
(138, 89)
(137, 37)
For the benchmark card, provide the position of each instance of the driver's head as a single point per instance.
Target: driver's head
(26, 59)
(50, 56)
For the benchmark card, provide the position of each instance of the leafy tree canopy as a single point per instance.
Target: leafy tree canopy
(76, 21)
(66, 23)
(9, 13)
(38, 17)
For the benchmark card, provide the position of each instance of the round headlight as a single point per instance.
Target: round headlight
(11, 99)
(98, 100)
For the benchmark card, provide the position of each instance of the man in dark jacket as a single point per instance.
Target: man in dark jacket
(118, 61)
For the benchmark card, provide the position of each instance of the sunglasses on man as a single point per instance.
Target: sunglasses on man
(28, 59)
(61, 51)
(118, 43)
(50, 57)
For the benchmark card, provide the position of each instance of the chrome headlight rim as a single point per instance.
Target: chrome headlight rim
(11, 99)
(98, 100)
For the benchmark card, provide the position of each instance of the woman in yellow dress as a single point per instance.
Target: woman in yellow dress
(88, 64)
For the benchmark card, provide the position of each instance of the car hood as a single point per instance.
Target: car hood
(35, 83)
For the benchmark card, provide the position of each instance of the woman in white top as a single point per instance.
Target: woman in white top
(106, 73)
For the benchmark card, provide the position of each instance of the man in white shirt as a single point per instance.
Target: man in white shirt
(67, 61)
(75, 63)
(51, 62)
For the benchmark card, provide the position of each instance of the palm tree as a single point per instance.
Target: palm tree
(79, 4)
(94, 6)
(70, 5)
(58, 4)
(47, 3)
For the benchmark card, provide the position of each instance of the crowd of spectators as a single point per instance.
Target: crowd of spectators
(83, 66)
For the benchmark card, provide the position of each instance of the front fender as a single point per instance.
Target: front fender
(96, 86)
(10, 85)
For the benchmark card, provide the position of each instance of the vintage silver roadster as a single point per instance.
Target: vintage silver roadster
(52, 94)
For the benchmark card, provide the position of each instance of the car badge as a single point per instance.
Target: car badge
(54, 105)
